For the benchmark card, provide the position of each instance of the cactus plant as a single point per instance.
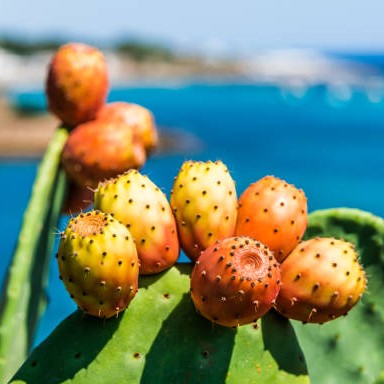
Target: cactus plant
(22, 291)
(162, 339)
(353, 343)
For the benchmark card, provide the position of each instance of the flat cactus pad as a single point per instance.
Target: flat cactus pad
(161, 339)
(349, 349)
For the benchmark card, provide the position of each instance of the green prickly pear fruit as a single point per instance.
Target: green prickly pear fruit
(144, 209)
(321, 280)
(98, 263)
(273, 212)
(77, 83)
(204, 202)
(235, 281)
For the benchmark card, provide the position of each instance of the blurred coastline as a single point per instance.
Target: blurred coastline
(25, 133)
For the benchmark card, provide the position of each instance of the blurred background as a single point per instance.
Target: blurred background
(294, 89)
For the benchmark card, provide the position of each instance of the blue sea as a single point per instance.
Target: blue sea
(328, 142)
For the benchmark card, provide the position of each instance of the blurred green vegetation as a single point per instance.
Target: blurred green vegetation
(24, 47)
(138, 50)
(141, 51)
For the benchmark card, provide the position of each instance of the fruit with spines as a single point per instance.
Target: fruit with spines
(77, 83)
(98, 263)
(204, 202)
(235, 281)
(143, 208)
(273, 212)
(137, 117)
(322, 279)
(101, 149)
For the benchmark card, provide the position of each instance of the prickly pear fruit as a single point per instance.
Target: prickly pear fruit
(98, 263)
(77, 83)
(235, 281)
(273, 212)
(204, 202)
(142, 207)
(140, 120)
(101, 149)
(321, 280)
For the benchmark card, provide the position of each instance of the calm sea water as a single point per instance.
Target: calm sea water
(328, 142)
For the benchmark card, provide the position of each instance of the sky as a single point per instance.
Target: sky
(238, 26)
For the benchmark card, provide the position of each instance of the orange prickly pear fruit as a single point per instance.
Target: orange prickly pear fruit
(140, 120)
(101, 149)
(77, 83)
(321, 280)
(273, 212)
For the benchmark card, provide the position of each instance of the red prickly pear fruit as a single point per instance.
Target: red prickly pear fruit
(235, 281)
(140, 120)
(98, 264)
(204, 202)
(321, 280)
(143, 208)
(101, 149)
(77, 83)
(273, 212)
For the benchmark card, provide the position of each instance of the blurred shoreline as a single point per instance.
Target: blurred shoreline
(27, 135)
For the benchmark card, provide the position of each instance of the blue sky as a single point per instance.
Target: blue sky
(243, 25)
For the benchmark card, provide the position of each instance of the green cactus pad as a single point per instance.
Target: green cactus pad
(349, 349)
(161, 339)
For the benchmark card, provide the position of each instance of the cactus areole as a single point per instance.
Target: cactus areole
(235, 281)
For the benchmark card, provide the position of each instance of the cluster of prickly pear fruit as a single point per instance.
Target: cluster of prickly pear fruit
(274, 214)
(128, 208)
(247, 252)
(321, 278)
(105, 139)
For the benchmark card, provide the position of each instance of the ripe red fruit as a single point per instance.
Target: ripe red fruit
(235, 281)
(140, 120)
(273, 212)
(77, 83)
(99, 149)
